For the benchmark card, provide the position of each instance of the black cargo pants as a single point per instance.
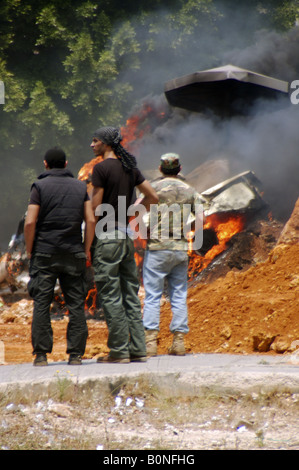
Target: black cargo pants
(70, 270)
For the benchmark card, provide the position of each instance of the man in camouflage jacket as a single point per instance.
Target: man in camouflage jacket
(166, 257)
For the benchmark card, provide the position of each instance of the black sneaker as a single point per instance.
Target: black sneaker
(75, 360)
(40, 360)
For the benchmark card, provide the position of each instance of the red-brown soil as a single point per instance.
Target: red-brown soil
(248, 312)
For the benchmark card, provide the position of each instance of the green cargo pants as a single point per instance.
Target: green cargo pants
(44, 271)
(117, 285)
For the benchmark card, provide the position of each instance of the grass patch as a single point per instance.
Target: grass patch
(142, 413)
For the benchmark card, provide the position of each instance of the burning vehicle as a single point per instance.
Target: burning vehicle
(238, 226)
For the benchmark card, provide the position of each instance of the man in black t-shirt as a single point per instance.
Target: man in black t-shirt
(114, 180)
(119, 187)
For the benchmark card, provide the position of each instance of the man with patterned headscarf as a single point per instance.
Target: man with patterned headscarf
(166, 257)
(116, 278)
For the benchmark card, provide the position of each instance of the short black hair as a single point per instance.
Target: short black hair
(55, 158)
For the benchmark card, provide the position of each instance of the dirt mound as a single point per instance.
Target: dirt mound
(242, 312)
(250, 311)
(246, 312)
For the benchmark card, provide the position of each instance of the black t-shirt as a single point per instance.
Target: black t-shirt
(110, 175)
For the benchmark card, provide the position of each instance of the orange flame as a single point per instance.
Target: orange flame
(225, 227)
(91, 297)
(137, 126)
(86, 170)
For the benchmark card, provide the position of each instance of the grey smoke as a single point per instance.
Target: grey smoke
(266, 141)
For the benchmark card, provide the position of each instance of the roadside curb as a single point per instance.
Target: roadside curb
(174, 373)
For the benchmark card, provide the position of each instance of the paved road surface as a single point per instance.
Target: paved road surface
(195, 370)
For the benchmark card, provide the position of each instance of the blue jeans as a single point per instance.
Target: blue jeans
(157, 266)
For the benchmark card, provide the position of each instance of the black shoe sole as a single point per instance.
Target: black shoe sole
(75, 361)
(40, 362)
(138, 358)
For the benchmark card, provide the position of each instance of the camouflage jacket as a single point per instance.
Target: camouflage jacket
(169, 220)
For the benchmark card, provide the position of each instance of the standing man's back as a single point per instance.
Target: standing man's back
(166, 257)
(53, 234)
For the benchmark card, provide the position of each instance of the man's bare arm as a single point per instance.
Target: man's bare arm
(29, 227)
(90, 223)
(97, 198)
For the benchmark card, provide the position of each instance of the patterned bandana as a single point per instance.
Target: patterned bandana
(109, 136)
